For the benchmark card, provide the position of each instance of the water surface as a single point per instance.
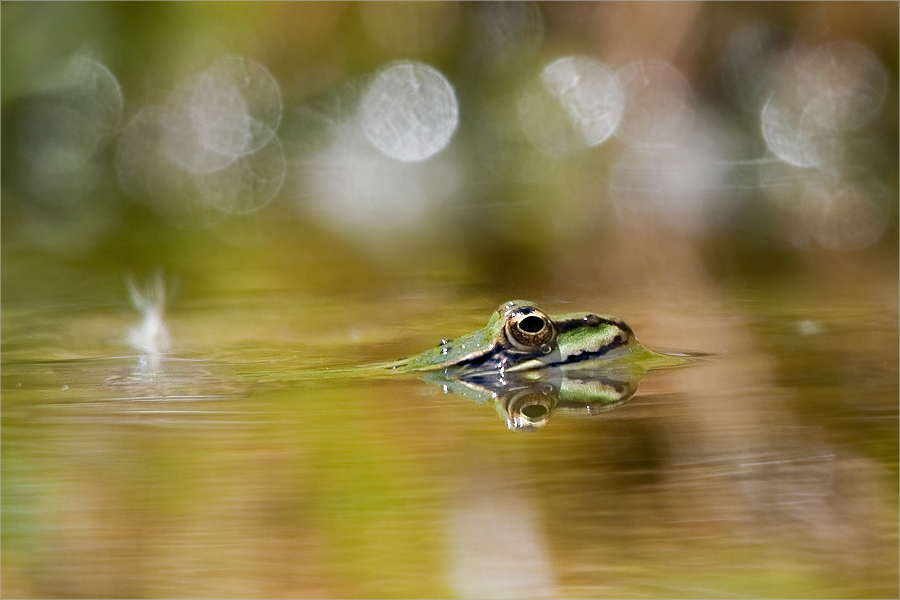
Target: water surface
(215, 469)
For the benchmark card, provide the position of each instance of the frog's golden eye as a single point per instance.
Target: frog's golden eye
(530, 329)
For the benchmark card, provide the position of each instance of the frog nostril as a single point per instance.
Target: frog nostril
(531, 324)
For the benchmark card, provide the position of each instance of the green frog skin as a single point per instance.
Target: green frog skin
(520, 337)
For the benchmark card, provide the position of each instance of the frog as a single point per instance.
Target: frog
(521, 337)
(531, 365)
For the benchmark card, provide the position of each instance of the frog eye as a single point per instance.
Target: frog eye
(531, 410)
(530, 329)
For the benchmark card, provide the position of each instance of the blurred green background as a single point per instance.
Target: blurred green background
(693, 174)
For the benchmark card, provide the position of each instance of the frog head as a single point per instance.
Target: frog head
(520, 336)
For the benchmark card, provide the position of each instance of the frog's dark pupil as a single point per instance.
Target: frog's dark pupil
(531, 324)
(535, 411)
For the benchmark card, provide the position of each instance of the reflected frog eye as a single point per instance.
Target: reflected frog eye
(530, 329)
(531, 409)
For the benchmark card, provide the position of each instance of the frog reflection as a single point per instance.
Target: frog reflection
(528, 402)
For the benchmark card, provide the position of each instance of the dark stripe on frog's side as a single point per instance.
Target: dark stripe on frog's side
(495, 353)
(619, 341)
(567, 325)
(492, 353)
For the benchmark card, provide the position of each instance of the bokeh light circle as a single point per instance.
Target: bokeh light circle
(842, 214)
(589, 93)
(238, 105)
(817, 97)
(231, 109)
(211, 149)
(846, 79)
(659, 104)
(409, 111)
(247, 184)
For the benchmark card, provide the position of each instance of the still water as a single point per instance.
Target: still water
(218, 469)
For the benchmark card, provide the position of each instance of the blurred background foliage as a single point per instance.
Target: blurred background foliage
(564, 143)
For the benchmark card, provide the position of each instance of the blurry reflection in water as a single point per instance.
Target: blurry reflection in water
(495, 541)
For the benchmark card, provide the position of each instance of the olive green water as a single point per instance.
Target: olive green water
(768, 469)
